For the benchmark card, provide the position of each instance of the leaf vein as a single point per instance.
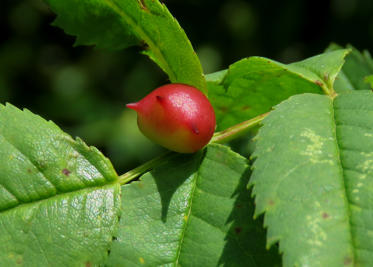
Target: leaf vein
(226, 234)
(196, 176)
(11, 193)
(348, 149)
(126, 17)
(53, 196)
(355, 109)
(355, 125)
(343, 179)
(33, 163)
(355, 170)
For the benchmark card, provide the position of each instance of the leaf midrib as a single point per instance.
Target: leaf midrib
(194, 188)
(291, 70)
(57, 192)
(39, 201)
(187, 221)
(32, 163)
(141, 33)
(339, 162)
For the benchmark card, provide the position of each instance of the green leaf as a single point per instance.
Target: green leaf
(254, 85)
(59, 200)
(354, 72)
(313, 179)
(369, 80)
(194, 210)
(71, 229)
(115, 24)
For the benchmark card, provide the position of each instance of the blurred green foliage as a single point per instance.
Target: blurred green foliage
(84, 90)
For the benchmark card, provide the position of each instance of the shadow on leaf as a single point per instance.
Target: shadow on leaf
(246, 233)
(180, 168)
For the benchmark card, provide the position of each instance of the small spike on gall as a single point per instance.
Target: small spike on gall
(176, 116)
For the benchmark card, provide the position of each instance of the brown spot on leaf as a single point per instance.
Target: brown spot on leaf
(29, 171)
(143, 45)
(245, 108)
(223, 109)
(88, 264)
(42, 165)
(319, 83)
(19, 261)
(347, 260)
(271, 202)
(239, 206)
(238, 230)
(143, 5)
(66, 172)
(325, 215)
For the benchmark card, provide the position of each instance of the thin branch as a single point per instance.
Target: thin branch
(147, 166)
(237, 130)
(219, 137)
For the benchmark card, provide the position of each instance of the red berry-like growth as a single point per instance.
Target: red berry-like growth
(176, 116)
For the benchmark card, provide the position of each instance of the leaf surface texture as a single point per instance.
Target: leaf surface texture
(192, 211)
(313, 179)
(117, 24)
(59, 200)
(254, 85)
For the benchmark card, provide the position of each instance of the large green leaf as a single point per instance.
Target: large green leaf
(117, 24)
(194, 210)
(254, 85)
(355, 71)
(313, 179)
(59, 200)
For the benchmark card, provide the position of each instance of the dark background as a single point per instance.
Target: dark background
(84, 90)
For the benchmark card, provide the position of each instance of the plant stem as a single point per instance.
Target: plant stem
(147, 166)
(219, 137)
(237, 130)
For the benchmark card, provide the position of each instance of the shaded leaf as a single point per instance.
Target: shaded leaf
(357, 68)
(369, 80)
(312, 179)
(254, 85)
(194, 210)
(114, 24)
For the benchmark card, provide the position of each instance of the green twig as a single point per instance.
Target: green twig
(237, 130)
(147, 166)
(219, 137)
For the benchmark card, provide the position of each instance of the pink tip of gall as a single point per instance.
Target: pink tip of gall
(134, 106)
